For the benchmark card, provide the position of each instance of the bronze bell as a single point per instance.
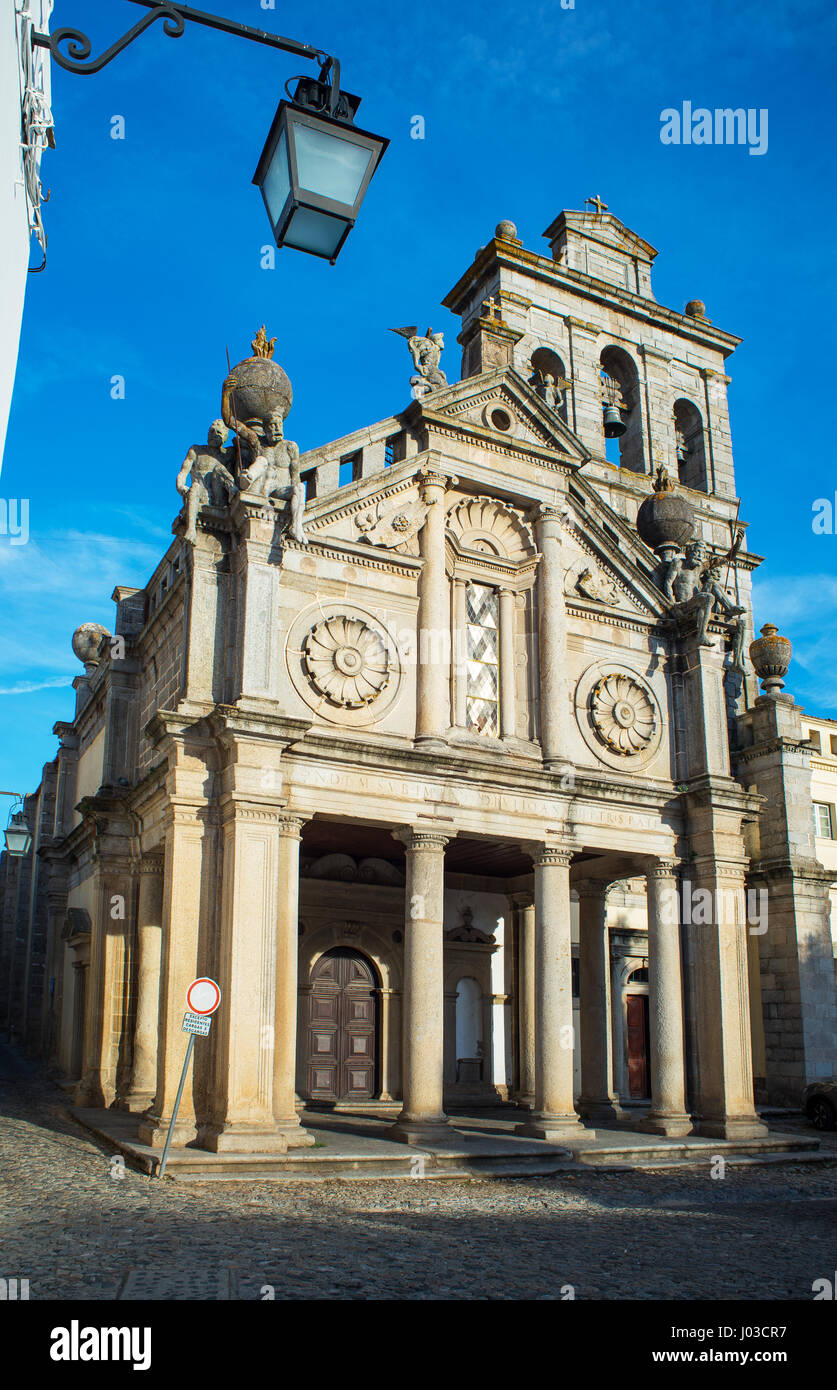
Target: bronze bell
(614, 425)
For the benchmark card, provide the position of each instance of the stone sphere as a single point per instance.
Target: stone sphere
(86, 640)
(696, 309)
(665, 518)
(260, 389)
(506, 230)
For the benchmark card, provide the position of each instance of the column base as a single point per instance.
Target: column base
(245, 1139)
(600, 1112)
(525, 1100)
(431, 743)
(153, 1132)
(732, 1127)
(554, 1127)
(409, 1129)
(136, 1102)
(296, 1136)
(674, 1124)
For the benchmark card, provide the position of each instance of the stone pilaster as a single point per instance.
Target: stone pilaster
(287, 966)
(554, 1115)
(507, 663)
(552, 643)
(422, 1116)
(107, 1020)
(434, 643)
(140, 1093)
(597, 1099)
(188, 916)
(668, 1113)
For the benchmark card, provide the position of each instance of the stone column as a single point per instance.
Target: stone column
(422, 1117)
(140, 1093)
(434, 654)
(287, 967)
(105, 1025)
(597, 1098)
(618, 1057)
(554, 1116)
(460, 655)
(668, 1114)
(507, 654)
(526, 997)
(552, 643)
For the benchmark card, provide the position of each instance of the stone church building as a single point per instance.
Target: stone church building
(458, 781)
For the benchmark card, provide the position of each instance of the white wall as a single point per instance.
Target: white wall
(14, 210)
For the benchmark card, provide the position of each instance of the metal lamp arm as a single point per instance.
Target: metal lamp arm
(77, 57)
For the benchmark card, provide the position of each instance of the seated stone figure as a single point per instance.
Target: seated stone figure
(212, 483)
(272, 470)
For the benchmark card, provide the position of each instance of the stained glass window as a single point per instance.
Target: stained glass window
(483, 691)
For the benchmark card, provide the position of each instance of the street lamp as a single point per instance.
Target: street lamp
(315, 169)
(18, 834)
(316, 165)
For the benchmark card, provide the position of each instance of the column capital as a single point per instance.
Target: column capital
(428, 476)
(290, 824)
(590, 887)
(524, 898)
(553, 856)
(151, 864)
(663, 868)
(422, 837)
(547, 514)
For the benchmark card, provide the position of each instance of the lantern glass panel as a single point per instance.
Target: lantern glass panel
(330, 163)
(277, 183)
(314, 231)
(18, 837)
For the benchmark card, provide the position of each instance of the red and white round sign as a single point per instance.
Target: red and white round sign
(203, 996)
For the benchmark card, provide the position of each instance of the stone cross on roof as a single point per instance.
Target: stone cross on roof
(597, 204)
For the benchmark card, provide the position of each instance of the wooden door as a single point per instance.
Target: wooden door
(342, 1027)
(639, 1080)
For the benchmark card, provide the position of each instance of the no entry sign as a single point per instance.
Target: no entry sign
(203, 996)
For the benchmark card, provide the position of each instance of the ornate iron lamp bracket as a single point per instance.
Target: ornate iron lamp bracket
(77, 56)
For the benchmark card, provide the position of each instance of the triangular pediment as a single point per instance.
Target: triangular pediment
(502, 407)
(607, 568)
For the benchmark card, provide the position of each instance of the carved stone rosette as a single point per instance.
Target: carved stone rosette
(622, 714)
(346, 661)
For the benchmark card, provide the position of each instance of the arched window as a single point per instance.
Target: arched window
(621, 407)
(548, 372)
(691, 450)
(638, 977)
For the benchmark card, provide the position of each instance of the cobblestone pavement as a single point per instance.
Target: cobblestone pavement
(75, 1231)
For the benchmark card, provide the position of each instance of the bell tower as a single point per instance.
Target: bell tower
(640, 384)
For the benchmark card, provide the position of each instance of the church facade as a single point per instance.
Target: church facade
(457, 779)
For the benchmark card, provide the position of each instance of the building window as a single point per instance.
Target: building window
(691, 453)
(483, 687)
(350, 468)
(309, 482)
(824, 820)
(639, 977)
(814, 740)
(833, 745)
(392, 450)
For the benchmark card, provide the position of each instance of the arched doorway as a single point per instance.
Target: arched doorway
(342, 1027)
(636, 1010)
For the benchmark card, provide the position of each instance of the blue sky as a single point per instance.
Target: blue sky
(154, 267)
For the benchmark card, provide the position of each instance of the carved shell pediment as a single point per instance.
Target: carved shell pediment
(487, 526)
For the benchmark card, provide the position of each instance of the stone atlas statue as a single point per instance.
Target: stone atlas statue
(255, 400)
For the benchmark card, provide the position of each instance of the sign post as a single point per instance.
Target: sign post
(202, 999)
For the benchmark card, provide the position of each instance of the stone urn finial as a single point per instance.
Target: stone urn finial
(87, 641)
(771, 657)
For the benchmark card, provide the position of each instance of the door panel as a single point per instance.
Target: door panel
(639, 1082)
(342, 1028)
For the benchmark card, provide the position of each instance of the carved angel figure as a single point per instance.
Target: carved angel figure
(426, 353)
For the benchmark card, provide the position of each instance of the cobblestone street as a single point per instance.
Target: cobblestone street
(75, 1231)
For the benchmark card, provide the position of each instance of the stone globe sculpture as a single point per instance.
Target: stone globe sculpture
(665, 521)
(86, 642)
(771, 657)
(256, 388)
